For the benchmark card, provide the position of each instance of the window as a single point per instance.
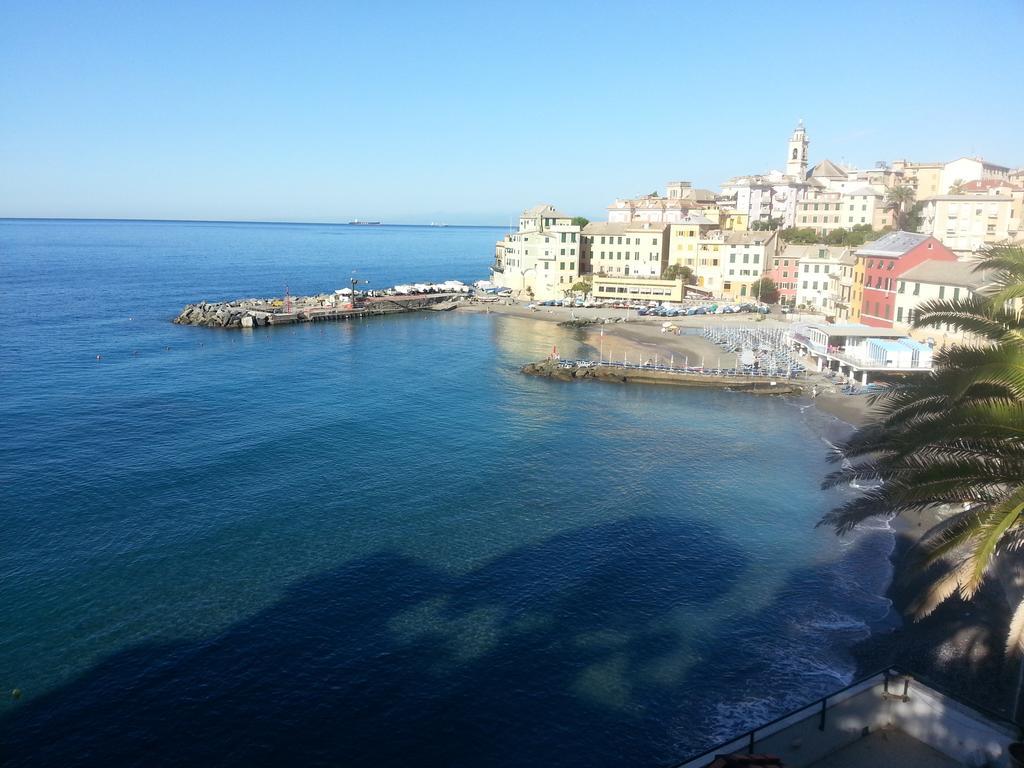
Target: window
(562, 253)
(917, 289)
(561, 265)
(942, 291)
(956, 294)
(805, 284)
(807, 268)
(901, 286)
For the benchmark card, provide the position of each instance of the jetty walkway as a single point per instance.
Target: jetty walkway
(252, 313)
(736, 379)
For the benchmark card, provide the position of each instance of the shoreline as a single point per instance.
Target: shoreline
(960, 645)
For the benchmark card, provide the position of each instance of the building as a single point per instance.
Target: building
(880, 264)
(783, 271)
(924, 178)
(637, 289)
(988, 212)
(542, 259)
(821, 211)
(796, 157)
(680, 199)
(841, 286)
(684, 240)
(935, 280)
(771, 196)
(815, 266)
(729, 263)
(638, 249)
(967, 169)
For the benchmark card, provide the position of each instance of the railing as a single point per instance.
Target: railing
(741, 372)
(896, 685)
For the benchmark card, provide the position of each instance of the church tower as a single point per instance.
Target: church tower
(796, 159)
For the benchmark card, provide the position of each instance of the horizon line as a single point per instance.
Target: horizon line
(247, 221)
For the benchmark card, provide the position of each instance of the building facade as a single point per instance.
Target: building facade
(935, 280)
(968, 222)
(637, 249)
(881, 263)
(541, 260)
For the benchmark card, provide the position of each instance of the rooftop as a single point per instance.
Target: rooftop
(857, 330)
(946, 273)
(545, 210)
(894, 244)
(828, 170)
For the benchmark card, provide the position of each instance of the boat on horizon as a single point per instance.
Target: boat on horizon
(365, 223)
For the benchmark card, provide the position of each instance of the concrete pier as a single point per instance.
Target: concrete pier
(578, 370)
(256, 313)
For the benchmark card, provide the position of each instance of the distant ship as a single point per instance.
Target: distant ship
(365, 223)
(435, 224)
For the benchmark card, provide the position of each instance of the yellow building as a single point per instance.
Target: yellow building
(684, 240)
(637, 289)
(856, 290)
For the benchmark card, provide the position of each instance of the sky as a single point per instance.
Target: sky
(468, 112)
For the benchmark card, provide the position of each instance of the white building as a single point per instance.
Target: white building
(970, 169)
(541, 260)
(671, 208)
(815, 265)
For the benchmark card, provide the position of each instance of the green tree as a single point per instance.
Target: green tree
(899, 200)
(913, 223)
(676, 271)
(580, 286)
(796, 235)
(765, 290)
(763, 226)
(958, 187)
(580, 221)
(954, 437)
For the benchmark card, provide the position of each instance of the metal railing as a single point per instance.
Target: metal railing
(819, 707)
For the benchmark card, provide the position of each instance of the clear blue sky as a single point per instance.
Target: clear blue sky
(469, 112)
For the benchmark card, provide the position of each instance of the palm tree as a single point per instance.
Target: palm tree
(955, 437)
(899, 200)
(958, 187)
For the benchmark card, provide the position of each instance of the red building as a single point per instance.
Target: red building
(880, 263)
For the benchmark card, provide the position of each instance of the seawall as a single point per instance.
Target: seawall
(250, 313)
(574, 371)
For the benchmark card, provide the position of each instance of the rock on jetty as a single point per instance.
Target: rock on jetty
(254, 313)
(579, 371)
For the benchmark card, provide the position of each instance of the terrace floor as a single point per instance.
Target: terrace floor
(887, 748)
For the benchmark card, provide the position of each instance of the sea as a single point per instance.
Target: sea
(376, 543)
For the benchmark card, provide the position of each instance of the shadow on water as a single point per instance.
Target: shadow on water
(383, 661)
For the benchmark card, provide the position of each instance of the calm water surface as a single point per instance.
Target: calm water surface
(376, 542)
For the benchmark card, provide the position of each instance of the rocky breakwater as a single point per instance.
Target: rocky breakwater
(224, 315)
(253, 313)
(574, 371)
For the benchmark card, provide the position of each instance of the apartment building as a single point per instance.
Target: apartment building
(815, 266)
(637, 249)
(542, 259)
(878, 267)
(934, 280)
(989, 212)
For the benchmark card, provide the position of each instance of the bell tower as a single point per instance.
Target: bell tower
(796, 157)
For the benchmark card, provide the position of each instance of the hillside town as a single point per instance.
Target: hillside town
(857, 246)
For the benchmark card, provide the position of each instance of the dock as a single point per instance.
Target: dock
(627, 373)
(256, 313)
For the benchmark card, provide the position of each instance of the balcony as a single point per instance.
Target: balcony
(887, 719)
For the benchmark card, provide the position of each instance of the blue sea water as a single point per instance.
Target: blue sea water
(374, 543)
